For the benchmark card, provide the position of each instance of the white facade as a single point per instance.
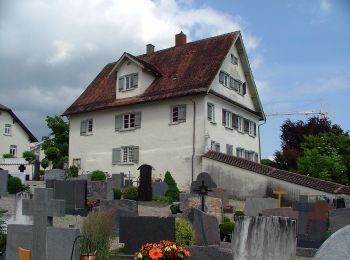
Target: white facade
(176, 147)
(13, 138)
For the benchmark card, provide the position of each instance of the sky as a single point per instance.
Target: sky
(298, 50)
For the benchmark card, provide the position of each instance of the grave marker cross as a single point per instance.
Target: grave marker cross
(279, 194)
(202, 192)
(43, 207)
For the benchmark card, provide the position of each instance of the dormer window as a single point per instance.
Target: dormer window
(128, 82)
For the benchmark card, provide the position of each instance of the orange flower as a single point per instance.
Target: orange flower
(155, 253)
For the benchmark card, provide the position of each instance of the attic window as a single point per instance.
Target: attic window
(128, 82)
(234, 59)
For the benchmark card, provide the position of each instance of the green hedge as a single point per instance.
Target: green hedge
(98, 176)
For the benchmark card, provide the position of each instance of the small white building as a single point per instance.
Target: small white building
(15, 137)
(167, 108)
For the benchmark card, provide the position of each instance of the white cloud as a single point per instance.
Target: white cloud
(62, 51)
(256, 61)
(325, 5)
(325, 85)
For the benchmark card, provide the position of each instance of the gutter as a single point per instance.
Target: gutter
(264, 122)
(193, 139)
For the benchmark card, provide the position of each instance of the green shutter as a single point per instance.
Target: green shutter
(136, 154)
(182, 113)
(137, 119)
(121, 84)
(118, 122)
(116, 155)
(83, 126)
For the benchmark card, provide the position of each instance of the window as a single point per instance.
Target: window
(127, 121)
(229, 149)
(211, 112)
(13, 150)
(178, 114)
(128, 82)
(239, 122)
(240, 152)
(7, 129)
(256, 157)
(252, 128)
(86, 127)
(226, 118)
(234, 59)
(77, 163)
(125, 155)
(224, 78)
(246, 125)
(215, 146)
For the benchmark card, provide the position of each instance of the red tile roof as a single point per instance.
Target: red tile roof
(194, 65)
(32, 138)
(302, 180)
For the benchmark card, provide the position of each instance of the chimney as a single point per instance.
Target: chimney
(149, 48)
(180, 39)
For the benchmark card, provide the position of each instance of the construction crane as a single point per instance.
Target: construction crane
(321, 113)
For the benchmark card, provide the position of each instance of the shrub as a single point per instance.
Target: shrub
(172, 192)
(2, 233)
(175, 208)
(45, 163)
(73, 171)
(226, 230)
(42, 172)
(184, 232)
(98, 176)
(97, 234)
(14, 185)
(117, 194)
(238, 214)
(164, 199)
(226, 219)
(130, 193)
(7, 155)
(29, 156)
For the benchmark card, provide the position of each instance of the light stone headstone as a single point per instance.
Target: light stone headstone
(255, 206)
(3, 181)
(339, 218)
(55, 174)
(159, 189)
(337, 246)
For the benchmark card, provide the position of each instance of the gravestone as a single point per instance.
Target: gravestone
(116, 182)
(281, 212)
(221, 194)
(55, 174)
(19, 175)
(210, 252)
(18, 236)
(120, 208)
(303, 207)
(3, 181)
(264, 238)
(206, 227)
(74, 192)
(213, 206)
(96, 190)
(255, 206)
(136, 231)
(145, 187)
(339, 218)
(337, 246)
(159, 189)
(208, 181)
(43, 208)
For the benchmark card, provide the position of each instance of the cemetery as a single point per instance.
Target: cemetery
(67, 217)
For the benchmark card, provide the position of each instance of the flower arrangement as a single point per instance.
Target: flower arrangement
(161, 251)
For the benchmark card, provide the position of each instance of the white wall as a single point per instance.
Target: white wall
(162, 145)
(18, 136)
(235, 71)
(144, 79)
(242, 184)
(219, 133)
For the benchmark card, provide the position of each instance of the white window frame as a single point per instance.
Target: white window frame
(127, 154)
(128, 82)
(8, 128)
(229, 149)
(211, 112)
(252, 128)
(227, 118)
(226, 78)
(176, 115)
(13, 150)
(89, 126)
(239, 152)
(215, 146)
(240, 123)
(77, 162)
(129, 121)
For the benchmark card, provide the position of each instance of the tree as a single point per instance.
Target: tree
(292, 136)
(58, 138)
(45, 163)
(29, 156)
(172, 192)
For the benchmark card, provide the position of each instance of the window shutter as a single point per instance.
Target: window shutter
(118, 122)
(121, 83)
(235, 121)
(221, 77)
(136, 154)
(254, 131)
(244, 88)
(116, 155)
(83, 125)
(224, 117)
(137, 119)
(182, 113)
(232, 83)
(135, 78)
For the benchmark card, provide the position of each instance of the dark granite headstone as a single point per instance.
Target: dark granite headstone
(3, 181)
(137, 231)
(303, 206)
(208, 181)
(159, 189)
(96, 190)
(206, 227)
(74, 192)
(210, 252)
(145, 187)
(120, 208)
(339, 218)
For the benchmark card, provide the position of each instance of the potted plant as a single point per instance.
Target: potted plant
(162, 251)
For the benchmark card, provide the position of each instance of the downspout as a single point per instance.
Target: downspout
(259, 138)
(193, 138)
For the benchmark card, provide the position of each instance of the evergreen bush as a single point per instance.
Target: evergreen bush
(117, 194)
(73, 171)
(226, 230)
(98, 176)
(172, 192)
(130, 193)
(14, 185)
(184, 232)
(45, 163)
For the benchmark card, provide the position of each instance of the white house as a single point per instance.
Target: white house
(15, 137)
(167, 108)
